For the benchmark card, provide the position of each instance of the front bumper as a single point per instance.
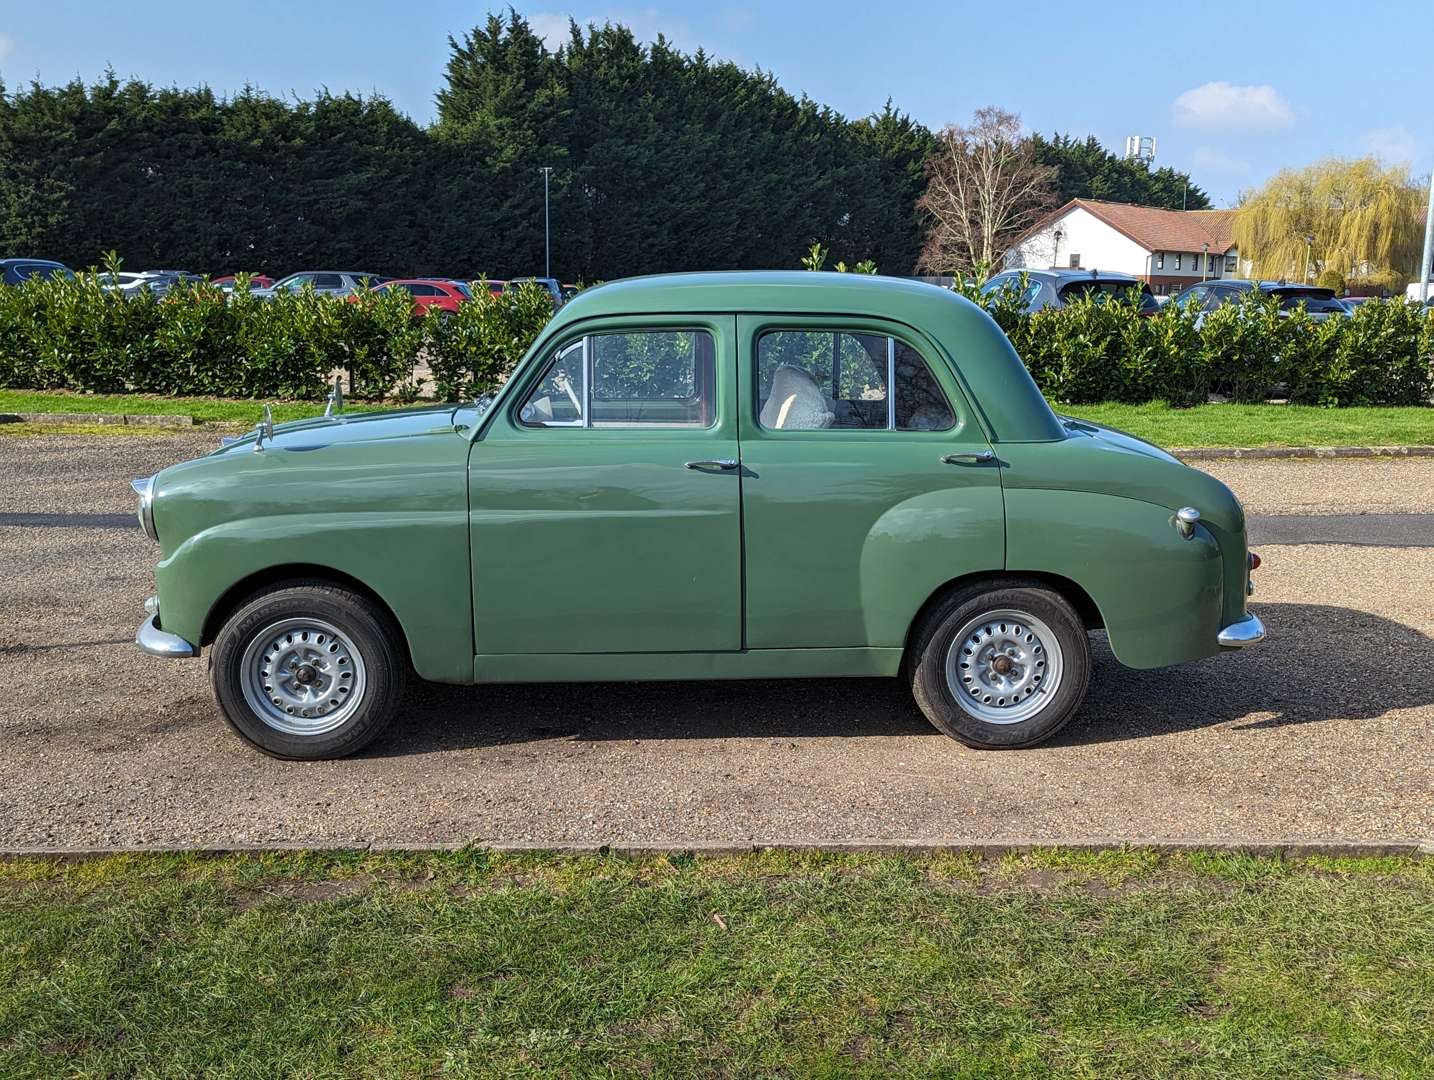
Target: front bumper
(151, 639)
(1248, 631)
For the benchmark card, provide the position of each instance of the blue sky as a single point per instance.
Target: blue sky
(1232, 97)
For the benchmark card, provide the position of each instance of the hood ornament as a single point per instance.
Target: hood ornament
(264, 429)
(336, 398)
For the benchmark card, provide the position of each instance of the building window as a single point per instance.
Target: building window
(1160, 260)
(1177, 260)
(1075, 262)
(1210, 264)
(1230, 264)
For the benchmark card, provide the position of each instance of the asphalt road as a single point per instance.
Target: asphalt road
(1323, 732)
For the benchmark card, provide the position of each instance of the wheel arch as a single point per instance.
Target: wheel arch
(260, 580)
(1069, 590)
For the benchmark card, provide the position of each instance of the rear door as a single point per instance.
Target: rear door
(605, 501)
(867, 481)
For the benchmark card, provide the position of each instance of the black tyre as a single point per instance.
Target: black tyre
(308, 670)
(1000, 665)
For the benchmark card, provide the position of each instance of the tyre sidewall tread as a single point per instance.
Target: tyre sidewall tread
(374, 634)
(932, 640)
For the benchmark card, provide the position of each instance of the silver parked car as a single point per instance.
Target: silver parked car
(327, 282)
(1056, 288)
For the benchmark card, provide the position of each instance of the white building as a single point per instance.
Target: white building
(1167, 249)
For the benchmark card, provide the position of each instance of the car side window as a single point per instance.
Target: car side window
(642, 378)
(819, 379)
(328, 281)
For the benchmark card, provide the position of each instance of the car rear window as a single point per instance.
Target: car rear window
(1316, 301)
(1103, 291)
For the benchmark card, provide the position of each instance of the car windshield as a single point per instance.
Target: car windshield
(1104, 290)
(462, 288)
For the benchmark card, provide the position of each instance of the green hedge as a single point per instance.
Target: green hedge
(74, 335)
(1248, 351)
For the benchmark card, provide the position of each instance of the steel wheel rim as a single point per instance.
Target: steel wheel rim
(1004, 666)
(302, 676)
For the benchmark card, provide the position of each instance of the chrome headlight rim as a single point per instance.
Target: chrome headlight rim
(144, 489)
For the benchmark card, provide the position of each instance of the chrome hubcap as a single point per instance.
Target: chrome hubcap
(1004, 666)
(302, 676)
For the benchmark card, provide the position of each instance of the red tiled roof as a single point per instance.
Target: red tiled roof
(1160, 230)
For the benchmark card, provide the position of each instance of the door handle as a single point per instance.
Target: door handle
(725, 464)
(976, 457)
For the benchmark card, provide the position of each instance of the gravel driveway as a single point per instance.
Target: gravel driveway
(1323, 732)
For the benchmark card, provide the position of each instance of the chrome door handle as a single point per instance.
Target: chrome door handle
(725, 464)
(976, 457)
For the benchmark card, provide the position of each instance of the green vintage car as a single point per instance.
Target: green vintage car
(699, 476)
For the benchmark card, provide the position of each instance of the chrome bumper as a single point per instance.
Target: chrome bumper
(155, 641)
(1248, 631)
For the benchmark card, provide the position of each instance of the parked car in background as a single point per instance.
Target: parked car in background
(1208, 295)
(699, 476)
(570, 291)
(14, 271)
(444, 294)
(1056, 288)
(119, 282)
(1412, 293)
(494, 286)
(227, 282)
(555, 289)
(326, 282)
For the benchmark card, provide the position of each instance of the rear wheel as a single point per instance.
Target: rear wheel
(308, 670)
(1000, 666)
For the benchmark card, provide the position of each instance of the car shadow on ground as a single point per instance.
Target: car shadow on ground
(1319, 664)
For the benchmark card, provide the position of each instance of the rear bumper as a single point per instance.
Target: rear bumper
(1248, 631)
(151, 639)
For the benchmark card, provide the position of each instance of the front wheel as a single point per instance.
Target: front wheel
(308, 671)
(1000, 667)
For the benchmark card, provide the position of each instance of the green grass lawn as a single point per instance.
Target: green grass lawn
(1205, 425)
(1264, 425)
(1054, 963)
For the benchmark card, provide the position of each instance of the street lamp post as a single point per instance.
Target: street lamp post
(1428, 246)
(1204, 260)
(546, 170)
(1309, 252)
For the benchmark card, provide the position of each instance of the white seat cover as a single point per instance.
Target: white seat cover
(796, 403)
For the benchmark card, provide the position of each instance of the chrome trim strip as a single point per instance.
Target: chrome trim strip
(151, 639)
(1248, 631)
(144, 488)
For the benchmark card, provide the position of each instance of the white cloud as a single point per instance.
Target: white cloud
(1395, 145)
(7, 46)
(551, 27)
(1222, 106)
(1213, 160)
(645, 23)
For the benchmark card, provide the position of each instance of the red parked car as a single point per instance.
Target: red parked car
(256, 281)
(441, 293)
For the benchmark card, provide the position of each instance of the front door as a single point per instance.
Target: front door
(605, 501)
(868, 483)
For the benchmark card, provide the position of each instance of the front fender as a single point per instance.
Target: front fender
(1160, 595)
(375, 548)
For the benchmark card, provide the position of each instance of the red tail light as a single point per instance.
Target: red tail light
(1254, 561)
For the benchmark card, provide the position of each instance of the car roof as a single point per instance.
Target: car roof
(1064, 277)
(31, 262)
(1008, 397)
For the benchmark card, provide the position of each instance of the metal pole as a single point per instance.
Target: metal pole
(547, 248)
(1428, 245)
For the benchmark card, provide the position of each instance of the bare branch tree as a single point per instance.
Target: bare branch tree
(984, 188)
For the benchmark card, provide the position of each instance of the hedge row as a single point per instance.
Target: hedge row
(1248, 351)
(75, 335)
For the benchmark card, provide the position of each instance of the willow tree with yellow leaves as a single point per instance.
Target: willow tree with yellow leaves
(1354, 221)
